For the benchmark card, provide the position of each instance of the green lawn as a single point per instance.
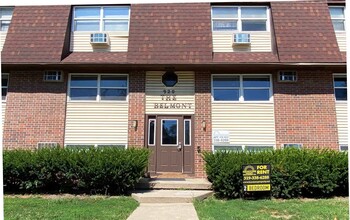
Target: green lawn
(332, 209)
(56, 207)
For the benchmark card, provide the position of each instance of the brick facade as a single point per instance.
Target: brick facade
(305, 111)
(137, 80)
(35, 111)
(202, 113)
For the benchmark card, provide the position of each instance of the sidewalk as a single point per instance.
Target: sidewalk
(164, 211)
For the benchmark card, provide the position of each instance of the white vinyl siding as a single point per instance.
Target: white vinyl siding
(184, 92)
(249, 124)
(341, 39)
(91, 123)
(2, 39)
(342, 122)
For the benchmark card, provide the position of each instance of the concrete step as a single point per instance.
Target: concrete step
(173, 183)
(170, 196)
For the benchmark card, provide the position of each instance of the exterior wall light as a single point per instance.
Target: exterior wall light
(134, 124)
(204, 125)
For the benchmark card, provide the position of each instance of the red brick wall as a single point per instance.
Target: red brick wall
(35, 111)
(202, 113)
(137, 82)
(305, 110)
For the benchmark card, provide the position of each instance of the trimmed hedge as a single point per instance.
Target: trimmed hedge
(94, 170)
(295, 173)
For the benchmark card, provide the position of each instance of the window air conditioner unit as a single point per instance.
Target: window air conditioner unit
(47, 145)
(287, 76)
(53, 76)
(99, 39)
(297, 146)
(241, 39)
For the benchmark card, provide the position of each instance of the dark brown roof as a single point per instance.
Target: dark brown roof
(36, 34)
(96, 57)
(245, 57)
(170, 33)
(304, 32)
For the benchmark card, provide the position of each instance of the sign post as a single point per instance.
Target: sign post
(256, 177)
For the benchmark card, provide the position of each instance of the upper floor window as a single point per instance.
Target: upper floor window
(340, 88)
(4, 85)
(338, 17)
(101, 18)
(241, 88)
(98, 87)
(5, 18)
(240, 18)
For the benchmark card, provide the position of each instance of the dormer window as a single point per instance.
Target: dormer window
(99, 19)
(338, 17)
(5, 18)
(240, 18)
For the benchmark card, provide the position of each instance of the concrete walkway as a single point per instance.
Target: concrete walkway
(164, 211)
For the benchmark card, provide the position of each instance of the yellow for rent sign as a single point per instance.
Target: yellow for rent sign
(256, 177)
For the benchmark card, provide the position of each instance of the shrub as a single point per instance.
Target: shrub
(106, 170)
(295, 173)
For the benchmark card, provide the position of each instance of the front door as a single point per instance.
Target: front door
(170, 139)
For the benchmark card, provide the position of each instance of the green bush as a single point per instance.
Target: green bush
(295, 173)
(104, 170)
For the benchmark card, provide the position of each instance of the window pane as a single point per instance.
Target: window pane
(228, 148)
(4, 80)
(110, 25)
(336, 12)
(226, 81)
(114, 81)
(93, 25)
(226, 94)
(338, 25)
(226, 25)
(83, 94)
(83, 81)
(187, 132)
(341, 94)
(6, 13)
(340, 82)
(256, 95)
(118, 12)
(169, 132)
(249, 25)
(253, 12)
(113, 94)
(225, 12)
(4, 93)
(151, 132)
(5, 25)
(249, 81)
(87, 12)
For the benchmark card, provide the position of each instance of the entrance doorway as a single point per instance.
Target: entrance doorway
(170, 138)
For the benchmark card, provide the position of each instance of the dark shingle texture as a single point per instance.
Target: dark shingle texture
(36, 35)
(245, 57)
(96, 57)
(170, 33)
(304, 32)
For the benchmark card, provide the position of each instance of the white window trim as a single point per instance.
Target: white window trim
(335, 75)
(177, 132)
(98, 97)
(239, 19)
(6, 18)
(190, 130)
(101, 19)
(154, 133)
(241, 98)
(334, 6)
(7, 87)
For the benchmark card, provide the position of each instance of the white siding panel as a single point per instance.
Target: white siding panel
(260, 42)
(3, 109)
(247, 123)
(2, 39)
(184, 93)
(96, 123)
(80, 42)
(341, 38)
(342, 122)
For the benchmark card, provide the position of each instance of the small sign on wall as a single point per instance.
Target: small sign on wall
(256, 177)
(221, 136)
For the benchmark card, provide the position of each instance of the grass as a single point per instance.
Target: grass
(72, 207)
(333, 209)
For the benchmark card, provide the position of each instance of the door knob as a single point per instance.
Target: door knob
(179, 147)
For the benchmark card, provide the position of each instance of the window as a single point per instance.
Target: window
(4, 85)
(151, 132)
(5, 18)
(241, 88)
(187, 132)
(98, 87)
(340, 88)
(101, 18)
(338, 17)
(236, 18)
